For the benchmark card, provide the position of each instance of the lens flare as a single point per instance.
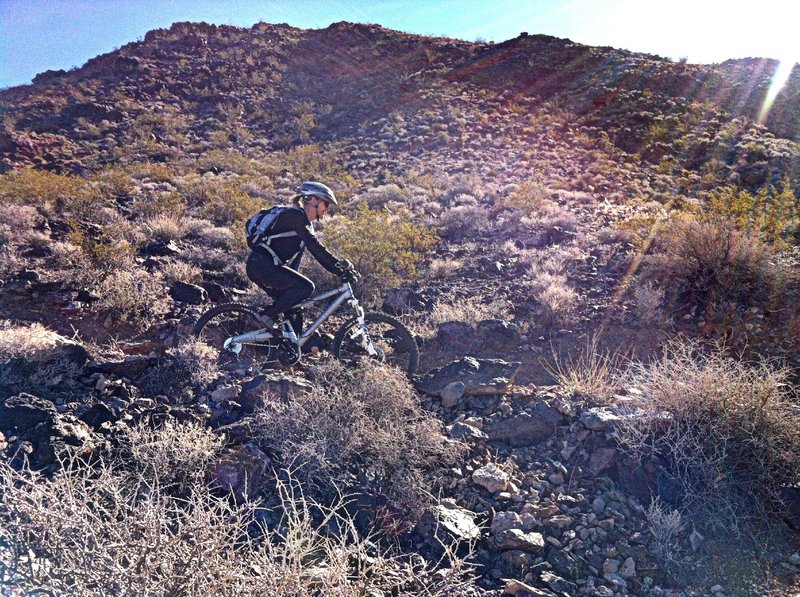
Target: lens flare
(779, 79)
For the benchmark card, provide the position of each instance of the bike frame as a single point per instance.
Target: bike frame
(340, 295)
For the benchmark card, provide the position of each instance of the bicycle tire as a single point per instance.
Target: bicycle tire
(396, 342)
(226, 320)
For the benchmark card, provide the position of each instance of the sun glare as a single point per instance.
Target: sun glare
(779, 79)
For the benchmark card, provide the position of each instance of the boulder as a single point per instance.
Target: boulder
(599, 419)
(215, 291)
(520, 589)
(497, 334)
(161, 249)
(451, 394)
(455, 336)
(481, 377)
(36, 423)
(464, 431)
(526, 429)
(188, 293)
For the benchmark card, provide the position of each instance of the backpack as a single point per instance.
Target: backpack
(260, 225)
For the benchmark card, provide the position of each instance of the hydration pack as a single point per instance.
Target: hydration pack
(259, 226)
(259, 231)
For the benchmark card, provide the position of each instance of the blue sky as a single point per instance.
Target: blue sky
(36, 35)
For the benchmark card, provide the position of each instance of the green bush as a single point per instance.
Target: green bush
(385, 248)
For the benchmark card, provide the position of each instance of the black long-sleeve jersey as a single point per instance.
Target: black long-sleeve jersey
(290, 234)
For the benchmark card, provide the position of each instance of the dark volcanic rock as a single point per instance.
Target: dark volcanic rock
(526, 429)
(188, 293)
(481, 377)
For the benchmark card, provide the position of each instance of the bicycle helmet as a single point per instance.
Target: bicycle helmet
(317, 189)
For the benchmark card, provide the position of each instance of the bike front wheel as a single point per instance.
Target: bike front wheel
(393, 342)
(222, 322)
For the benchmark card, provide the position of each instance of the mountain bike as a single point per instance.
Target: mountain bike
(237, 331)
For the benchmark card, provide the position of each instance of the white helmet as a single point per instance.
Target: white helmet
(317, 189)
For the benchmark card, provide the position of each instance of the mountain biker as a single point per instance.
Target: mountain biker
(273, 264)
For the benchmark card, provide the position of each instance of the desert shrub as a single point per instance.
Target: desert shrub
(666, 525)
(226, 160)
(41, 188)
(649, 302)
(528, 196)
(439, 269)
(163, 228)
(385, 248)
(102, 252)
(557, 297)
(180, 271)
(380, 196)
(771, 213)
(114, 182)
(164, 204)
(198, 359)
(464, 221)
(713, 263)
(104, 530)
(728, 430)
(227, 203)
(176, 455)
(132, 295)
(360, 425)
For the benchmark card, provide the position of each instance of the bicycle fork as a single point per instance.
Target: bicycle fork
(361, 330)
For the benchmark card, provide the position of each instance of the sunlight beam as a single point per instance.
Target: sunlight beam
(779, 79)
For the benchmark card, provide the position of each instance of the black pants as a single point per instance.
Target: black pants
(286, 286)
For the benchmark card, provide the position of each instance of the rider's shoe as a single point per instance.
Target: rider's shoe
(270, 324)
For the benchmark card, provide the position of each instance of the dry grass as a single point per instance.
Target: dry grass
(728, 429)
(593, 372)
(362, 426)
(112, 530)
(470, 310)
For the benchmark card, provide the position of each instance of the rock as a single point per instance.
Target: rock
(240, 470)
(520, 589)
(497, 334)
(696, 540)
(443, 526)
(23, 412)
(628, 569)
(188, 293)
(598, 505)
(215, 291)
(273, 387)
(162, 249)
(560, 585)
(602, 459)
(563, 563)
(599, 419)
(503, 521)
(481, 377)
(455, 336)
(491, 477)
(400, 300)
(518, 539)
(97, 415)
(516, 559)
(131, 367)
(451, 394)
(466, 432)
(46, 432)
(526, 429)
(225, 393)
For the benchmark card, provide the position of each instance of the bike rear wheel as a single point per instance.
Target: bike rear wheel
(394, 343)
(225, 321)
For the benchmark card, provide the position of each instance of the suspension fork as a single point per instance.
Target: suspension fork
(366, 340)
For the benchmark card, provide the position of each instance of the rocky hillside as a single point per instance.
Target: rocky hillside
(596, 250)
